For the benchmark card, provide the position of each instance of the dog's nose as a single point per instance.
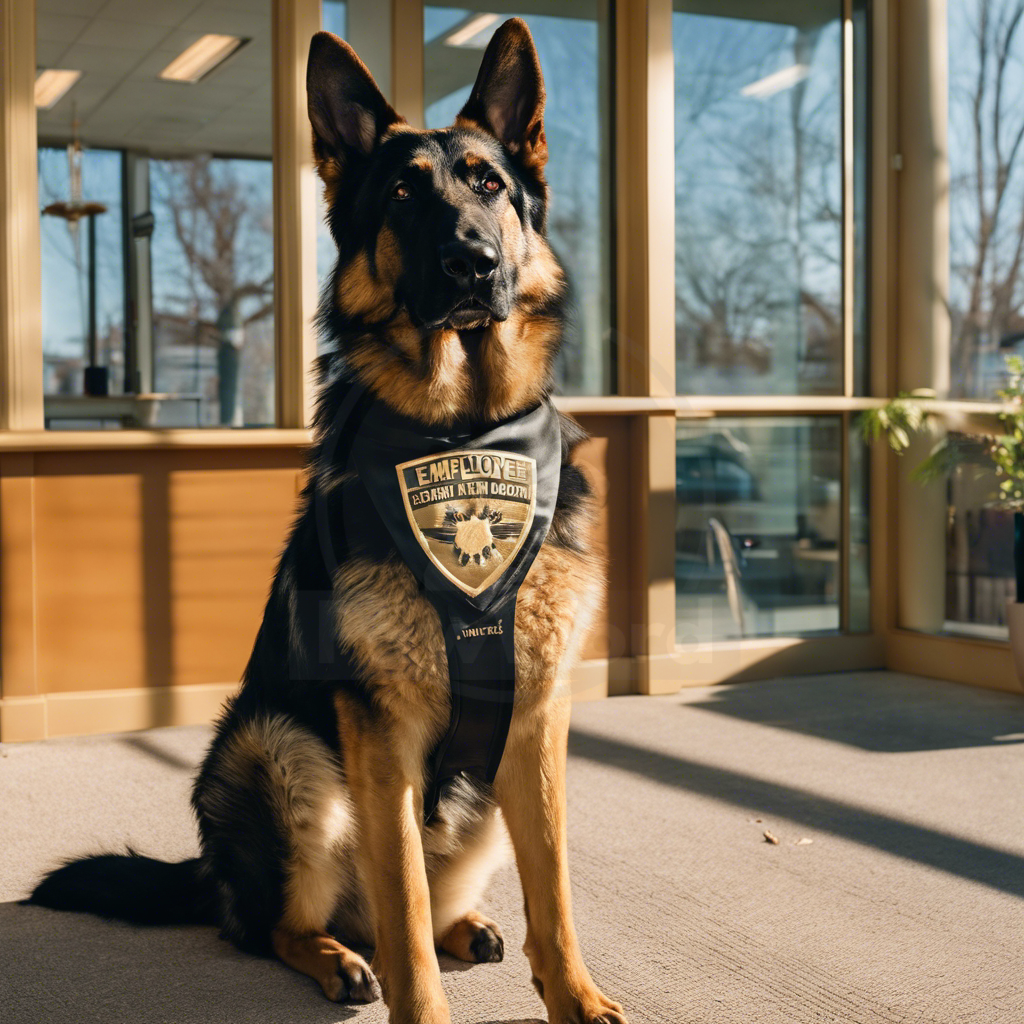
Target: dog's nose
(469, 261)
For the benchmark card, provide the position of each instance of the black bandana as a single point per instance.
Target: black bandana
(468, 514)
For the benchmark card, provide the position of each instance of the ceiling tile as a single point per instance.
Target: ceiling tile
(255, 6)
(82, 8)
(63, 28)
(137, 36)
(103, 60)
(248, 24)
(156, 12)
(48, 54)
(81, 99)
(121, 46)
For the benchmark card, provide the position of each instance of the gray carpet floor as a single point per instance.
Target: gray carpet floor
(906, 905)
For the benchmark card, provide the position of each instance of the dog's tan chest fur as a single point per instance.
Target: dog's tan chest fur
(395, 634)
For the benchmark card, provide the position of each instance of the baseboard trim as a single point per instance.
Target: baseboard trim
(99, 711)
(984, 663)
(730, 661)
(598, 678)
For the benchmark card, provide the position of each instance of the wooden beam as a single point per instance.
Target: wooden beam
(21, 325)
(645, 191)
(407, 60)
(295, 278)
(883, 292)
(923, 324)
(645, 328)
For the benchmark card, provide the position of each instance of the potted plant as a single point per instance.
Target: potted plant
(910, 413)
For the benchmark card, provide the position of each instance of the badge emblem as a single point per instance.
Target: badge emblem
(471, 511)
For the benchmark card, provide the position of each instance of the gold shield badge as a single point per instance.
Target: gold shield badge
(471, 511)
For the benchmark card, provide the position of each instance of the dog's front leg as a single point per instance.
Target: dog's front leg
(387, 793)
(530, 787)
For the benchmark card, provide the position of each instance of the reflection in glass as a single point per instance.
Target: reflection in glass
(986, 190)
(184, 267)
(758, 524)
(213, 286)
(572, 54)
(859, 582)
(65, 271)
(979, 555)
(758, 199)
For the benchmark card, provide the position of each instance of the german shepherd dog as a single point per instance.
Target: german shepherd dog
(448, 305)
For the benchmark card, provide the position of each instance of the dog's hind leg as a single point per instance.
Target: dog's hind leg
(311, 891)
(343, 975)
(272, 794)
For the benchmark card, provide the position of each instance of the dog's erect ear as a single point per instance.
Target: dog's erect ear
(346, 109)
(508, 97)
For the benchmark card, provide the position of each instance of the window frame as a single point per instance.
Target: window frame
(918, 288)
(847, 648)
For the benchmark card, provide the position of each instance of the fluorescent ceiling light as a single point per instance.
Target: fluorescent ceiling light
(465, 35)
(51, 85)
(784, 79)
(201, 58)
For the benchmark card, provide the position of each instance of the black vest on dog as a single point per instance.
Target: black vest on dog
(468, 514)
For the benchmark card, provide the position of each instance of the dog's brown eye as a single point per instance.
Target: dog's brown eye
(492, 183)
(401, 191)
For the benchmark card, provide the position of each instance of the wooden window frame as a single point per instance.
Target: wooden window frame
(649, 65)
(918, 346)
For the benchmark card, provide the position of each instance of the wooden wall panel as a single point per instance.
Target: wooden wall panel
(227, 529)
(18, 666)
(89, 587)
(605, 458)
(153, 567)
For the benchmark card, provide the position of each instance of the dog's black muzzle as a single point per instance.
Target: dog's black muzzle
(466, 288)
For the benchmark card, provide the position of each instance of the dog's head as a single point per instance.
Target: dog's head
(446, 299)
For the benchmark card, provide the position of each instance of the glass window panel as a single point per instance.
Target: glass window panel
(758, 198)
(859, 584)
(572, 50)
(979, 555)
(66, 281)
(213, 287)
(335, 17)
(986, 190)
(185, 245)
(758, 524)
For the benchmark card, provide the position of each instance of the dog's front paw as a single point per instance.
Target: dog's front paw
(591, 1007)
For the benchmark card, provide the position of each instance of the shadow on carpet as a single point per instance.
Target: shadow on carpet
(73, 967)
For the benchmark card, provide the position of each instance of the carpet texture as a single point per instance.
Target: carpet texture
(907, 903)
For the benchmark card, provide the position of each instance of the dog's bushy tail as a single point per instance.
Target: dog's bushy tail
(133, 888)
